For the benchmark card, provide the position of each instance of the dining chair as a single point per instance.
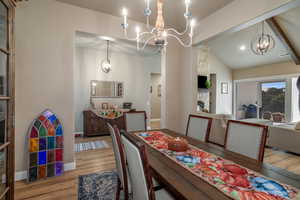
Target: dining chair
(138, 167)
(135, 121)
(198, 127)
(245, 138)
(120, 161)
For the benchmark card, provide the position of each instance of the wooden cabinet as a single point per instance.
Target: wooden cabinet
(94, 125)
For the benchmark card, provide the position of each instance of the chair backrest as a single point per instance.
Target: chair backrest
(198, 127)
(119, 156)
(246, 138)
(135, 121)
(140, 179)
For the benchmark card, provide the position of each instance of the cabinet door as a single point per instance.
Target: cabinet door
(6, 100)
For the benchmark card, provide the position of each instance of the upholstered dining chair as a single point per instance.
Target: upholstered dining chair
(135, 121)
(198, 127)
(248, 139)
(140, 178)
(120, 162)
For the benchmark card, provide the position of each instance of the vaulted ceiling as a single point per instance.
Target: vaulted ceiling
(227, 47)
(173, 10)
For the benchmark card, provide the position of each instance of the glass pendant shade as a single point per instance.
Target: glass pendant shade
(262, 43)
(105, 65)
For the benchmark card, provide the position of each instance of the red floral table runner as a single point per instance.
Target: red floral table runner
(230, 178)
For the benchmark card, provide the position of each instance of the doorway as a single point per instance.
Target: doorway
(155, 101)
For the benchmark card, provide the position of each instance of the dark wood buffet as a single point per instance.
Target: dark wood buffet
(95, 125)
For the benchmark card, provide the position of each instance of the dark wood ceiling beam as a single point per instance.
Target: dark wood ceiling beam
(284, 39)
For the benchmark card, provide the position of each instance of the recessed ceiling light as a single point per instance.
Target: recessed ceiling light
(242, 47)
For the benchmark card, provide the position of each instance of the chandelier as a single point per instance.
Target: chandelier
(262, 43)
(158, 35)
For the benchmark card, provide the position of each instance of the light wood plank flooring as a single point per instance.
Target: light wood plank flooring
(65, 187)
(155, 125)
(283, 160)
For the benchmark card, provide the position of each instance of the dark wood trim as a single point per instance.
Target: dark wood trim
(284, 39)
(123, 161)
(4, 98)
(142, 150)
(135, 112)
(4, 51)
(208, 125)
(4, 146)
(263, 136)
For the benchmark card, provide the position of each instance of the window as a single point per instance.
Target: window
(273, 97)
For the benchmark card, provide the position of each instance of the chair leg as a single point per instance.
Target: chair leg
(118, 190)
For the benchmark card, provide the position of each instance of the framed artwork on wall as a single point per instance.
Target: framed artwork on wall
(224, 88)
(104, 106)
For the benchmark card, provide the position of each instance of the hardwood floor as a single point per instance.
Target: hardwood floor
(65, 187)
(280, 159)
(155, 125)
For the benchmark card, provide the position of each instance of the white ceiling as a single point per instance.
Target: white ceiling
(227, 46)
(173, 10)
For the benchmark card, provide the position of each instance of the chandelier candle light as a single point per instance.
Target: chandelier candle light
(159, 34)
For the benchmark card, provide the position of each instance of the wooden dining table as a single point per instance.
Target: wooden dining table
(183, 184)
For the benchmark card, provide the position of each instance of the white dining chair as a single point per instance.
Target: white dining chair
(198, 127)
(120, 161)
(140, 178)
(248, 139)
(135, 121)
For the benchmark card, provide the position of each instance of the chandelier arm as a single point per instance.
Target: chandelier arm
(181, 42)
(147, 41)
(180, 33)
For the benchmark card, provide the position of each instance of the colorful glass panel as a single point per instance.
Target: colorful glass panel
(34, 145)
(59, 168)
(42, 118)
(58, 155)
(37, 124)
(42, 131)
(51, 143)
(45, 147)
(42, 157)
(50, 170)
(59, 130)
(42, 144)
(47, 124)
(42, 171)
(34, 133)
(52, 118)
(51, 131)
(59, 142)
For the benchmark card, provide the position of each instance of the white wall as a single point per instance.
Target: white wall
(134, 70)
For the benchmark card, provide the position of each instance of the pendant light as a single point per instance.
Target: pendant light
(262, 43)
(105, 65)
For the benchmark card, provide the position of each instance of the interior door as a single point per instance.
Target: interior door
(6, 100)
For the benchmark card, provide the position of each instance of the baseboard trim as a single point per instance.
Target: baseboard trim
(154, 120)
(23, 174)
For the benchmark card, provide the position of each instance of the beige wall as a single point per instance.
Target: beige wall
(45, 32)
(155, 99)
(277, 69)
(129, 67)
